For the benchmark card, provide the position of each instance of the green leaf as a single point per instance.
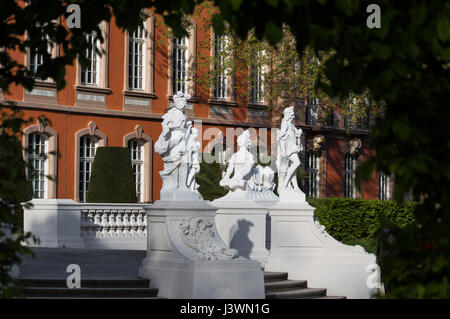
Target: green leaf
(273, 33)
(273, 3)
(381, 50)
(236, 4)
(218, 25)
(443, 29)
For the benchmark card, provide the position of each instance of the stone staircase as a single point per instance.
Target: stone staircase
(277, 286)
(135, 288)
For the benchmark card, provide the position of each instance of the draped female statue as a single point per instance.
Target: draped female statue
(289, 145)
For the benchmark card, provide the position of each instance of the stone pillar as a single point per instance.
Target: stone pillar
(186, 258)
(302, 247)
(57, 223)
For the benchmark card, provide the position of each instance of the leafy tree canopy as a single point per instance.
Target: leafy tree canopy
(405, 64)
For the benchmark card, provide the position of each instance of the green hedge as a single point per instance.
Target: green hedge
(112, 179)
(355, 219)
(208, 180)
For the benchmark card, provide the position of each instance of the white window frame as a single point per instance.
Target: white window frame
(137, 59)
(85, 164)
(221, 81)
(190, 60)
(39, 172)
(313, 170)
(137, 152)
(257, 81)
(349, 175)
(180, 65)
(35, 60)
(102, 140)
(101, 61)
(94, 68)
(383, 186)
(312, 111)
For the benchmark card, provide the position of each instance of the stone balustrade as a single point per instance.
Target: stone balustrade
(65, 223)
(113, 222)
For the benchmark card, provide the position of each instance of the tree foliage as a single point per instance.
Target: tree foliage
(14, 190)
(405, 64)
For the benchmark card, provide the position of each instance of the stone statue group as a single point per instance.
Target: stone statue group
(179, 149)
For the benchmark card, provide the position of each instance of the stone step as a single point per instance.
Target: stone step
(304, 293)
(58, 292)
(284, 285)
(87, 298)
(87, 283)
(275, 276)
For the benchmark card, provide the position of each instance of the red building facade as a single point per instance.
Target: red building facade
(119, 101)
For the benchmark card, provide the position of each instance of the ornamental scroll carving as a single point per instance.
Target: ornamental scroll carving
(198, 234)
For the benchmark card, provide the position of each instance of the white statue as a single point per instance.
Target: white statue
(289, 145)
(261, 179)
(240, 164)
(193, 160)
(245, 181)
(172, 145)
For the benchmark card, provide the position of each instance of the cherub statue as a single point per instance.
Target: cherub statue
(289, 145)
(172, 146)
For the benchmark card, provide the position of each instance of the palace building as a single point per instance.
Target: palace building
(119, 99)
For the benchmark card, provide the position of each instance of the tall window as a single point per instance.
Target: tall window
(383, 186)
(88, 146)
(137, 162)
(37, 161)
(180, 65)
(90, 75)
(348, 123)
(221, 82)
(312, 169)
(257, 79)
(36, 60)
(312, 111)
(136, 59)
(349, 175)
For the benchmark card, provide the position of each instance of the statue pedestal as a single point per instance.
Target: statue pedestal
(302, 247)
(242, 225)
(186, 258)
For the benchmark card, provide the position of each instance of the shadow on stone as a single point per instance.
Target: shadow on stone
(240, 240)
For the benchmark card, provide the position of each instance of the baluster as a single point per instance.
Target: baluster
(145, 223)
(133, 224)
(126, 224)
(112, 224)
(139, 224)
(119, 224)
(105, 224)
(97, 228)
(89, 224)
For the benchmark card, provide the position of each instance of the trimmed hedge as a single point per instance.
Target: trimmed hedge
(112, 179)
(208, 180)
(354, 219)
